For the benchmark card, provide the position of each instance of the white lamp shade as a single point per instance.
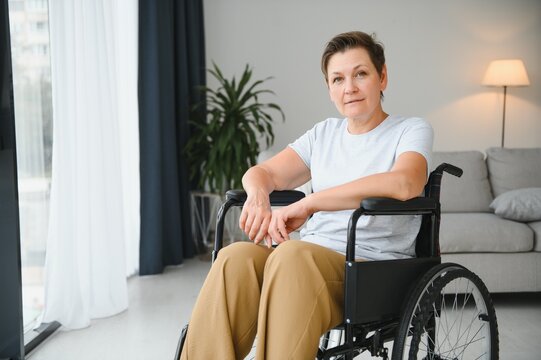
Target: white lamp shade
(506, 73)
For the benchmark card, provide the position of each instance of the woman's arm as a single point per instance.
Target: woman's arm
(404, 181)
(283, 171)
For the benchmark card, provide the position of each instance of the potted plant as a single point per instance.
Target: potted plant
(226, 142)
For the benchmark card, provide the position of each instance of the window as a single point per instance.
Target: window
(40, 49)
(39, 26)
(36, 5)
(33, 123)
(16, 5)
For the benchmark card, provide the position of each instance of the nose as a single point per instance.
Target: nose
(350, 87)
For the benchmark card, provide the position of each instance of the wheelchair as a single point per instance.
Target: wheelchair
(428, 310)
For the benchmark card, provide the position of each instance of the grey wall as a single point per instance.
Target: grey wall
(437, 53)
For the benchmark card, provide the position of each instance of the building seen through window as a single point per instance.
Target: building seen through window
(29, 27)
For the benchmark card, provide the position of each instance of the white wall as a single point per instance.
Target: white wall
(437, 53)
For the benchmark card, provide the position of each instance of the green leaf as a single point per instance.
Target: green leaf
(225, 144)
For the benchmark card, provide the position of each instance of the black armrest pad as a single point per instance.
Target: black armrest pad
(277, 198)
(392, 205)
(448, 168)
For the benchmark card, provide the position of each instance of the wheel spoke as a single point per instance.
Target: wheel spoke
(443, 322)
(471, 341)
(466, 299)
(470, 326)
(448, 331)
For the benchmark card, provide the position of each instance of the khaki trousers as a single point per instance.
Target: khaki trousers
(290, 296)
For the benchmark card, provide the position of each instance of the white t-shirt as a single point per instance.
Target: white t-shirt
(334, 157)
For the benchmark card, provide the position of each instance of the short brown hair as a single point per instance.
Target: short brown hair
(351, 40)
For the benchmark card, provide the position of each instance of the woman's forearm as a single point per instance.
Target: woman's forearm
(257, 179)
(404, 181)
(396, 185)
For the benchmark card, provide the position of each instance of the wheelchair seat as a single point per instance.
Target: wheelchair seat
(428, 310)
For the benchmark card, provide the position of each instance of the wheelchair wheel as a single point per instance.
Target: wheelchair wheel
(181, 340)
(449, 316)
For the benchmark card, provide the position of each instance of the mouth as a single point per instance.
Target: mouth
(353, 101)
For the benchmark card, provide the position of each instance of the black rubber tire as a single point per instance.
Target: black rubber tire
(427, 305)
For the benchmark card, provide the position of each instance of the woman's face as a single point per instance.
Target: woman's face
(354, 84)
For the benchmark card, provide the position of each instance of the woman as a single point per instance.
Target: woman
(293, 294)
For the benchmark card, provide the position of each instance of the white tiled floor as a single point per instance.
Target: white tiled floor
(160, 305)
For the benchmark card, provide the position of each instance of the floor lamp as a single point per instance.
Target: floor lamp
(506, 73)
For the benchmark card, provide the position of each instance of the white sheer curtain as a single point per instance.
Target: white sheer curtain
(127, 28)
(94, 226)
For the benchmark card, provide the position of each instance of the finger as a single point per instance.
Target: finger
(269, 241)
(242, 218)
(281, 228)
(248, 224)
(266, 239)
(278, 237)
(256, 226)
(272, 229)
(262, 230)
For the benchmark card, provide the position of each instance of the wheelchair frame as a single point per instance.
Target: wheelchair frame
(371, 321)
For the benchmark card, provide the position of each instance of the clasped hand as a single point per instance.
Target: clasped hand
(260, 222)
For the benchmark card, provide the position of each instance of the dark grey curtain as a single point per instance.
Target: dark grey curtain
(171, 65)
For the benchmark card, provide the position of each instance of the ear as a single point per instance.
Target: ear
(383, 78)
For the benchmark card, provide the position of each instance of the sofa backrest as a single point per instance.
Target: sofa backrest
(469, 193)
(511, 169)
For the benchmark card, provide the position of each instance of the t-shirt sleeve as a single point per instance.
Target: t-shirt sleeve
(418, 137)
(304, 145)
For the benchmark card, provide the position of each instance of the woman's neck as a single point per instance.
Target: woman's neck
(360, 126)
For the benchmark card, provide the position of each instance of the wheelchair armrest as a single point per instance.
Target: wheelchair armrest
(387, 206)
(380, 206)
(237, 198)
(277, 198)
(448, 168)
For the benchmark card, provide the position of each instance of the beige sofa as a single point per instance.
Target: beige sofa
(491, 216)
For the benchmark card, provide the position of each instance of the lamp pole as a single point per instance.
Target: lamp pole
(506, 72)
(503, 120)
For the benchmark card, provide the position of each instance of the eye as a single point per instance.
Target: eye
(361, 74)
(337, 80)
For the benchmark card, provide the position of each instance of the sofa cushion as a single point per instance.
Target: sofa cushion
(469, 193)
(536, 227)
(511, 169)
(519, 205)
(482, 232)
